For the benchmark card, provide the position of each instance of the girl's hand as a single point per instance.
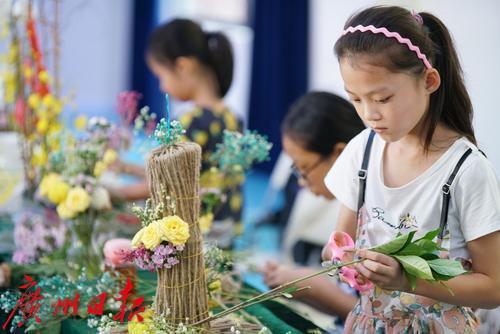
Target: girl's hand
(276, 274)
(383, 270)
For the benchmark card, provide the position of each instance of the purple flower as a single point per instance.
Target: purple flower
(172, 261)
(157, 259)
(20, 257)
(164, 249)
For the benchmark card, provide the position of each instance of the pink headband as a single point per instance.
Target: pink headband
(390, 34)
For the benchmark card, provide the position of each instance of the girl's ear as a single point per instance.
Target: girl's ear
(432, 80)
(337, 149)
(184, 65)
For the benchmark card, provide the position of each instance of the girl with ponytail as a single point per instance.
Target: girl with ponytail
(194, 65)
(416, 167)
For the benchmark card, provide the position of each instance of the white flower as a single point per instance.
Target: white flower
(103, 121)
(93, 121)
(100, 199)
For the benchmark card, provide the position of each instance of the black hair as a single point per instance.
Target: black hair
(319, 120)
(185, 38)
(451, 103)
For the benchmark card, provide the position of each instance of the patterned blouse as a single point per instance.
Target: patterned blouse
(205, 127)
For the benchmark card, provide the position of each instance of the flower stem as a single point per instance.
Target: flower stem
(276, 292)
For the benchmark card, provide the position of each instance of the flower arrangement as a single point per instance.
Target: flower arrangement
(128, 106)
(72, 183)
(31, 93)
(37, 236)
(72, 186)
(159, 241)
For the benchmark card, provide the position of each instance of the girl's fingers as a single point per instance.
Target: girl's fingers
(377, 257)
(372, 276)
(378, 268)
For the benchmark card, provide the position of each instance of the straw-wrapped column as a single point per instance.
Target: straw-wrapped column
(181, 294)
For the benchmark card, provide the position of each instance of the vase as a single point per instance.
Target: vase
(83, 252)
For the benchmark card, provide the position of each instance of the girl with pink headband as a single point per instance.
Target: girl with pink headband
(417, 167)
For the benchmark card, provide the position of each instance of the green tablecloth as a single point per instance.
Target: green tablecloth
(279, 322)
(275, 316)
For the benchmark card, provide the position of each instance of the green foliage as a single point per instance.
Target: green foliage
(420, 258)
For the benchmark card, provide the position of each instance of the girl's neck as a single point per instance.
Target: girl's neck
(207, 100)
(442, 139)
(205, 94)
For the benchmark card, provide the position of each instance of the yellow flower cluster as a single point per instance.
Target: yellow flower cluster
(70, 201)
(48, 127)
(54, 188)
(205, 222)
(172, 229)
(80, 122)
(10, 81)
(144, 327)
(77, 201)
(108, 158)
(215, 285)
(47, 109)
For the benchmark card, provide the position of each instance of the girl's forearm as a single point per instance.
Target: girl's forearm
(134, 170)
(473, 290)
(328, 297)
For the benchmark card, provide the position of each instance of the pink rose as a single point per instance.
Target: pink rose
(114, 250)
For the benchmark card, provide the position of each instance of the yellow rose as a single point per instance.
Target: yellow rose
(47, 182)
(151, 236)
(144, 327)
(34, 101)
(78, 200)
(173, 229)
(109, 156)
(64, 212)
(39, 157)
(206, 222)
(44, 76)
(148, 314)
(99, 168)
(42, 125)
(136, 241)
(58, 192)
(28, 72)
(215, 285)
(80, 122)
(48, 100)
(55, 128)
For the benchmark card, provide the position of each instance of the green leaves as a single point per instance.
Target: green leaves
(420, 258)
(394, 246)
(415, 266)
(447, 267)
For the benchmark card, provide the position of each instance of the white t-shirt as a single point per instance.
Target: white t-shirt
(474, 209)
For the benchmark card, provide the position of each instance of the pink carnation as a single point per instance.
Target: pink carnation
(114, 250)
